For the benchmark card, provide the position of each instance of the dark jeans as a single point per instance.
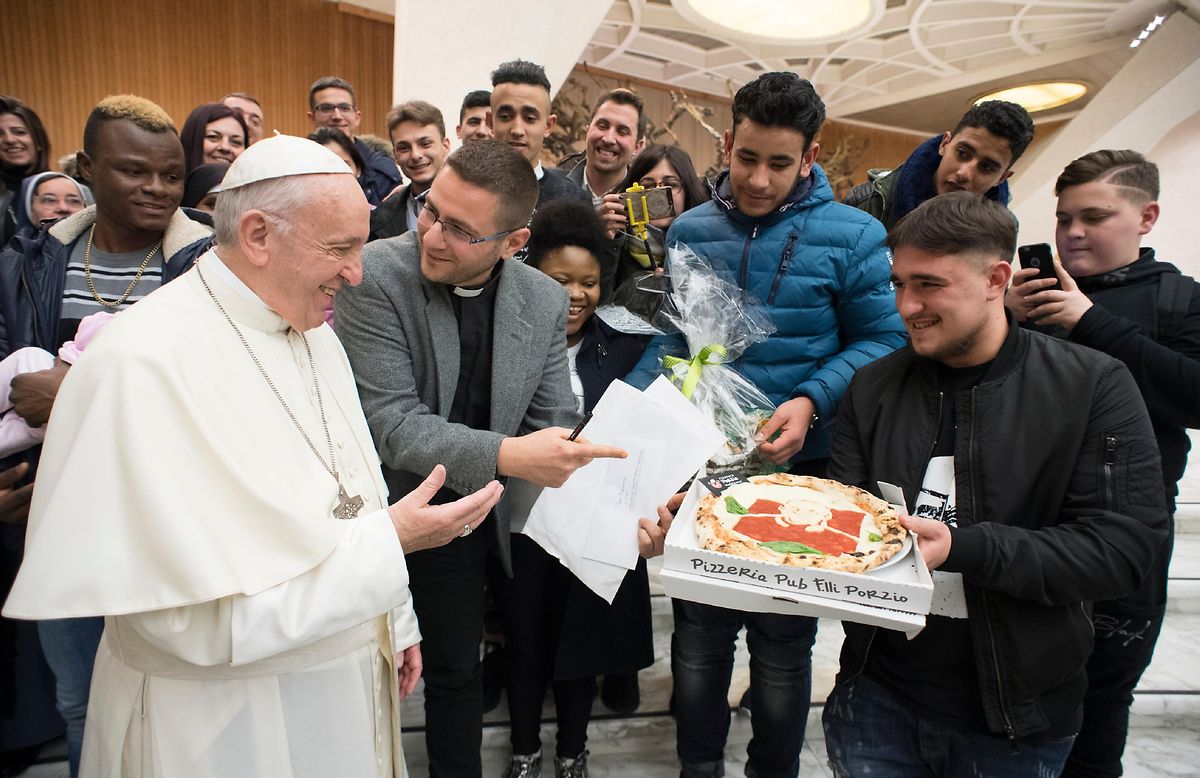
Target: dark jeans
(531, 605)
(1126, 631)
(702, 651)
(870, 732)
(70, 649)
(447, 590)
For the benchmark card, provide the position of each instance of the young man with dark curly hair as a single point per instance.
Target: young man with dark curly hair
(822, 270)
(976, 156)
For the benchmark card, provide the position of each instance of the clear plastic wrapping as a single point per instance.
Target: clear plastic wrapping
(719, 321)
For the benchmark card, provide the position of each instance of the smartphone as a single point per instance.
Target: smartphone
(649, 204)
(1039, 256)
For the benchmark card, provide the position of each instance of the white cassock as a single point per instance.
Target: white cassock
(247, 631)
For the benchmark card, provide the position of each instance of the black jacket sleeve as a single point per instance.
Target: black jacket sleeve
(1168, 374)
(1112, 521)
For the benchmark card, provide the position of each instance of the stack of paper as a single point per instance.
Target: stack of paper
(590, 523)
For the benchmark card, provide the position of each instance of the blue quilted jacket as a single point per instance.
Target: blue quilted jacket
(823, 271)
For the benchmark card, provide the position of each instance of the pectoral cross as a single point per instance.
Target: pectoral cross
(347, 507)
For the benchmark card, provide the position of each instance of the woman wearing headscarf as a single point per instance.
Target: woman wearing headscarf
(47, 197)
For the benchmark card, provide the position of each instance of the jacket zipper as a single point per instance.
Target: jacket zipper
(1110, 459)
(971, 449)
(936, 428)
(37, 324)
(783, 266)
(1008, 725)
(744, 267)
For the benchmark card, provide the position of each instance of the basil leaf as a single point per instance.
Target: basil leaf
(791, 547)
(871, 536)
(735, 507)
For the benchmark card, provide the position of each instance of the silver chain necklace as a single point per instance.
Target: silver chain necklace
(347, 507)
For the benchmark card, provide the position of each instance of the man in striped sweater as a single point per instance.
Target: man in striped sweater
(103, 258)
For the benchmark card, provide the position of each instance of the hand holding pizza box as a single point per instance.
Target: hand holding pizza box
(719, 321)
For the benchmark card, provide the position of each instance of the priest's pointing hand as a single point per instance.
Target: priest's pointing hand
(420, 525)
(547, 457)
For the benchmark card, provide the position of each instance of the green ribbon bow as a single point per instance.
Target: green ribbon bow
(712, 354)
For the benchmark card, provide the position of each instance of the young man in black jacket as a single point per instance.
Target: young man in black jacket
(1033, 474)
(1117, 298)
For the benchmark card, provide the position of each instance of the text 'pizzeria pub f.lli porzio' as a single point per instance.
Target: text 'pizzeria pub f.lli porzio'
(806, 546)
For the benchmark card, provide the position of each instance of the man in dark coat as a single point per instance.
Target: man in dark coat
(1117, 298)
(976, 156)
(331, 104)
(1031, 472)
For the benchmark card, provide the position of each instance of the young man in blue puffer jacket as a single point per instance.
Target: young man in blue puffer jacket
(821, 268)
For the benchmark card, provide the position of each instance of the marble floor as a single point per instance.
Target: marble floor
(1164, 738)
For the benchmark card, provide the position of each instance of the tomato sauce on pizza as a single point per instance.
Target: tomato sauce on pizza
(799, 520)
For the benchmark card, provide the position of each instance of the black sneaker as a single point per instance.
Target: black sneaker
(620, 693)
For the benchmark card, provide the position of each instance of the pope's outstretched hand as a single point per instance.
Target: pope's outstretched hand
(420, 525)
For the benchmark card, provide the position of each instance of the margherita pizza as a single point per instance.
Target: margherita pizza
(801, 521)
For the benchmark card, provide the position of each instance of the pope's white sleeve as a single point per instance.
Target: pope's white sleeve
(363, 578)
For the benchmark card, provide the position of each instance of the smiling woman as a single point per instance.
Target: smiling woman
(213, 132)
(24, 150)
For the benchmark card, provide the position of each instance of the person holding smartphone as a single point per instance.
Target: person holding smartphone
(1117, 297)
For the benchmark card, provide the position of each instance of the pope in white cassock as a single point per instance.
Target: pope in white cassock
(209, 485)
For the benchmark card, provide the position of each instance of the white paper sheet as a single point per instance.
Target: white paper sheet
(590, 522)
(633, 485)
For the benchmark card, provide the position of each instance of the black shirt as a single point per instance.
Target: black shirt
(935, 671)
(472, 407)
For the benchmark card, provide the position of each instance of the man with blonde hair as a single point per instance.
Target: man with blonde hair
(226, 512)
(103, 258)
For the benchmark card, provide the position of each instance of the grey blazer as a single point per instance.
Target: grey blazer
(401, 336)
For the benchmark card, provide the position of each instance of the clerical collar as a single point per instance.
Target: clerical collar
(475, 291)
(539, 171)
(229, 277)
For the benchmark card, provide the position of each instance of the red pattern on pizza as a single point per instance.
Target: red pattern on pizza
(847, 521)
(765, 529)
(765, 507)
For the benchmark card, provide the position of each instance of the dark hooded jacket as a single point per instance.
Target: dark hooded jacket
(889, 195)
(1124, 323)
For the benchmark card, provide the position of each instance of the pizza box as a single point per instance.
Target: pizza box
(900, 592)
(749, 597)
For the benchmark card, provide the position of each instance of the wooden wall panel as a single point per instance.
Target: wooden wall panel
(64, 56)
(874, 147)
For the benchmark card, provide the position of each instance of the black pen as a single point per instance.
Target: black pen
(579, 427)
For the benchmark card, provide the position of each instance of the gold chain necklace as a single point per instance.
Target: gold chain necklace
(87, 273)
(347, 507)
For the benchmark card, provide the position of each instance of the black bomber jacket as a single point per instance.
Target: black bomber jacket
(1059, 503)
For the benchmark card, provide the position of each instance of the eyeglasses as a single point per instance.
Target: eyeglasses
(649, 183)
(429, 216)
(49, 199)
(328, 108)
